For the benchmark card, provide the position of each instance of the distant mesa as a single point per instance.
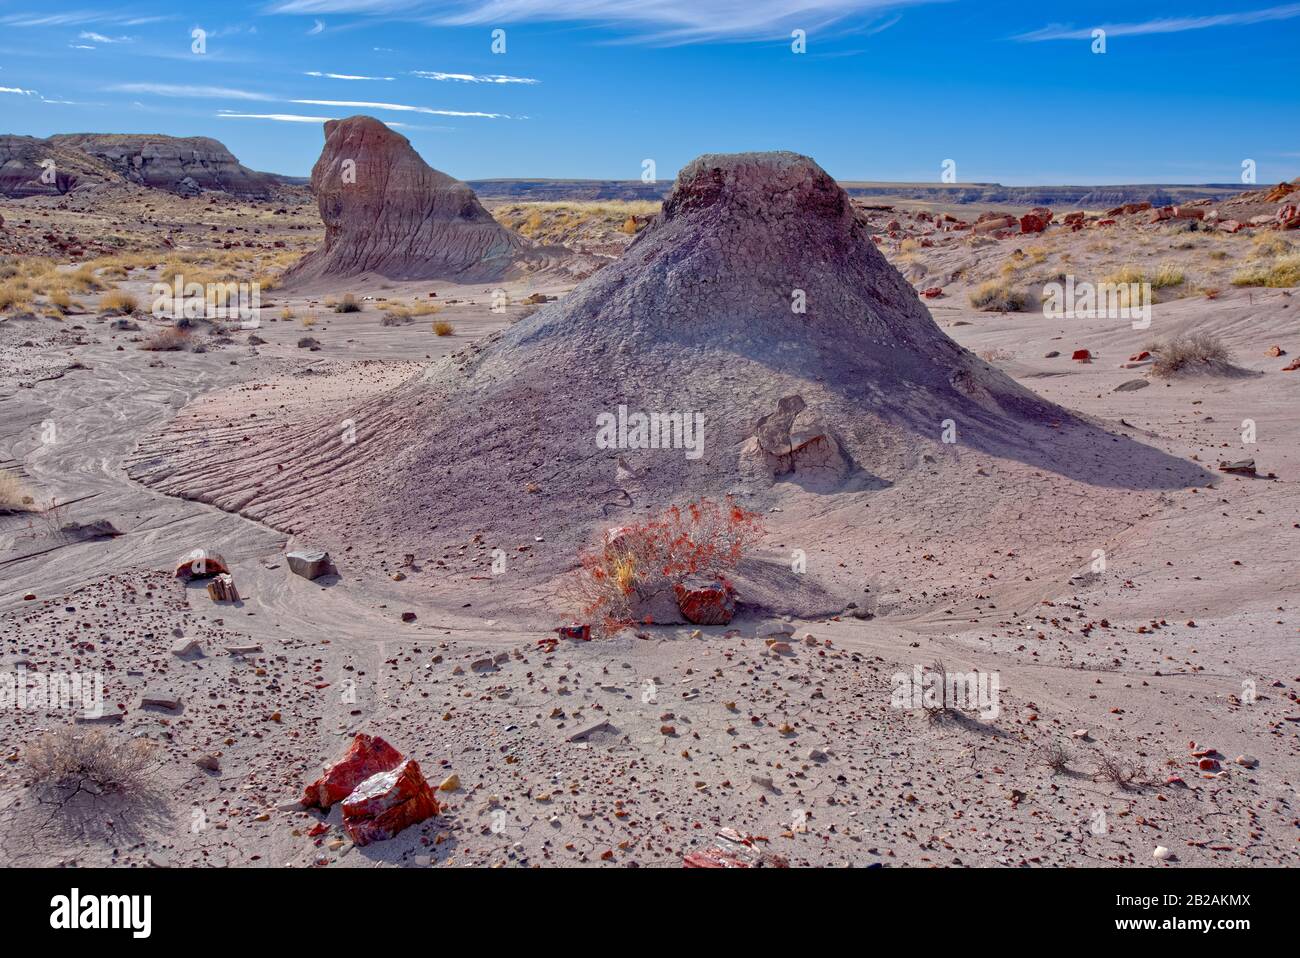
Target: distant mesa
(388, 213)
(186, 166)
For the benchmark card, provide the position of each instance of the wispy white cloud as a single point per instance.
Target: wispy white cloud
(471, 77)
(1057, 31)
(18, 90)
(669, 21)
(342, 76)
(180, 90)
(317, 27)
(280, 117)
(76, 18)
(94, 37)
(401, 107)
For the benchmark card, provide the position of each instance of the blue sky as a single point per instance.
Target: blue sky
(1012, 92)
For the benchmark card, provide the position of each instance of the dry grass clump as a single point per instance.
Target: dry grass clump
(1166, 276)
(286, 314)
(80, 759)
(348, 304)
(1185, 354)
(999, 296)
(308, 321)
(14, 295)
(168, 340)
(1279, 274)
(116, 301)
(14, 496)
(404, 312)
(648, 559)
(1268, 245)
(443, 328)
(61, 300)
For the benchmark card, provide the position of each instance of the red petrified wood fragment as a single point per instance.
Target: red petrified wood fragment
(368, 755)
(706, 601)
(386, 803)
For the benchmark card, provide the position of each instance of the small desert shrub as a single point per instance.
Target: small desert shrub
(1280, 273)
(1055, 756)
(308, 321)
(1186, 353)
(443, 328)
(14, 295)
(1120, 773)
(1125, 275)
(651, 558)
(116, 301)
(61, 300)
(1167, 275)
(999, 296)
(1268, 245)
(76, 758)
(348, 304)
(14, 496)
(938, 710)
(167, 340)
(83, 279)
(286, 314)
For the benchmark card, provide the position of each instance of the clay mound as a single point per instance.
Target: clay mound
(699, 320)
(389, 213)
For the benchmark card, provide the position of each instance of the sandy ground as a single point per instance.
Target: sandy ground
(1187, 635)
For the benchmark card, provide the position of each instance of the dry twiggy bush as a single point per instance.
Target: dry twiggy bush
(1121, 773)
(649, 558)
(80, 759)
(166, 340)
(1187, 354)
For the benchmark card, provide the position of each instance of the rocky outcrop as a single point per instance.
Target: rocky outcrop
(389, 213)
(185, 165)
(34, 167)
(70, 161)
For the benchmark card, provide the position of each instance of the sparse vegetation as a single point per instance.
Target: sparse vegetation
(1279, 274)
(651, 558)
(13, 296)
(1187, 354)
(14, 496)
(170, 339)
(1166, 276)
(999, 296)
(348, 304)
(1055, 755)
(1126, 775)
(76, 759)
(443, 328)
(116, 301)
